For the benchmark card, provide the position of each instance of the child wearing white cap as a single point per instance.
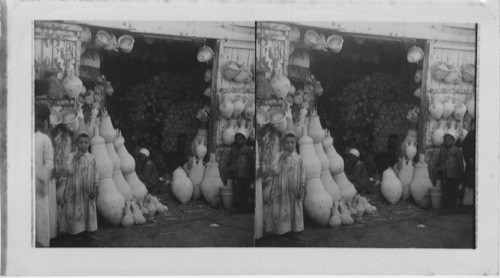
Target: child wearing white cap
(449, 169)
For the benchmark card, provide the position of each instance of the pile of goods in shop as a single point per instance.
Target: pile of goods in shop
(331, 199)
(374, 108)
(122, 198)
(162, 108)
(197, 178)
(378, 103)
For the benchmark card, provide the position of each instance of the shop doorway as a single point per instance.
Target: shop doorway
(158, 90)
(368, 90)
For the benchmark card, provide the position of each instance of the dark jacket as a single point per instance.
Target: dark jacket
(241, 162)
(148, 174)
(357, 174)
(450, 163)
(469, 153)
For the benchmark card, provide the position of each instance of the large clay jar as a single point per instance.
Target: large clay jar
(315, 130)
(201, 150)
(201, 136)
(312, 164)
(110, 202)
(391, 187)
(128, 169)
(127, 161)
(405, 175)
(460, 110)
(336, 161)
(317, 202)
(280, 84)
(118, 178)
(411, 138)
(226, 107)
(72, 84)
(421, 184)
(230, 132)
(448, 108)
(436, 108)
(138, 188)
(182, 186)
(438, 134)
(238, 107)
(347, 189)
(212, 183)
(326, 177)
(106, 129)
(196, 175)
(104, 164)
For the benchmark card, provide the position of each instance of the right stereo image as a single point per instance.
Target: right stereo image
(365, 135)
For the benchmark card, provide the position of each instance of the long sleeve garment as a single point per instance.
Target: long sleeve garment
(358, 175)
(285, 210)
(241, 162)
(149, 174)
(469, 153)
(79, 209)
(450, 163)
(44, 165)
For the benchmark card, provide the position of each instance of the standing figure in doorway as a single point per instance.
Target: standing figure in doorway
(450, 171)
(44, 165)
(241, 169)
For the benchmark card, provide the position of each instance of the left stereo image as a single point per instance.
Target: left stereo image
(144, 134)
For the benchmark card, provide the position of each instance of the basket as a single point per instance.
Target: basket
(70, 119)
(441, 70)
(469, 73)
(102, 39)
(334, 43)
(55, 117)
(262, 116)
(126, 43)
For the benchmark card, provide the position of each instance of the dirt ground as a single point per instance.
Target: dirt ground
(400, 226)
(192, 225)
(197, 225)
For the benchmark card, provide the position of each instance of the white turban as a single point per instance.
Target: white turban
(354, 152)
(144, 152)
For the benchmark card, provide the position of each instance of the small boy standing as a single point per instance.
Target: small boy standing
(241, 169)
(450, 170)
(80, 193)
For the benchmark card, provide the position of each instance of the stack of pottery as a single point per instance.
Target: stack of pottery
(110, 202)
(317, 202)
(128, 170)
(109, 134)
